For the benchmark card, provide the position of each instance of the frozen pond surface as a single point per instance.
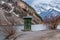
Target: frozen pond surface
(37, 27)
(58, 27)
(33, 27)
(2, 36)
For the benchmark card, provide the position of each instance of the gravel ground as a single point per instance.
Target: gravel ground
(40, 35)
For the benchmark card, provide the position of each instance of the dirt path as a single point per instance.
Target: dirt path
(41, 35)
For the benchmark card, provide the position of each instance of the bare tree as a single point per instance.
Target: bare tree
(52, 22)
(9, 31)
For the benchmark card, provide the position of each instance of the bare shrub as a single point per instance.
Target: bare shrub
(53, 22)
(8, 31)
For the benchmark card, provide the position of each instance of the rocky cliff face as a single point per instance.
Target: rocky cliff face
(13, 11)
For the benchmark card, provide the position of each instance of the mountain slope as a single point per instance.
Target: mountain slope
(51, 13)
(14, 11)
(44, 5)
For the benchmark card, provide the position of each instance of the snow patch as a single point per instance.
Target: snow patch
(2, 2)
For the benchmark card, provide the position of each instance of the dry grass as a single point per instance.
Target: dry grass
(8, 30)
(52, 23)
